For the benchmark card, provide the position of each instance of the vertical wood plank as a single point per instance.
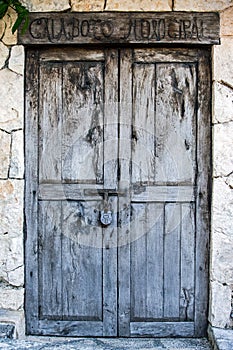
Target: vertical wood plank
(31, 194)
(50, 122)
(82, 158)
(50, 278)
(110, 181)
(111, 119)
(154, 235)
(203, 201)
(172, 261)
(143, 137)
(110, 274)
(124, 205)
(175, 122)
(138, 264)
(187, 263)
(81, 262)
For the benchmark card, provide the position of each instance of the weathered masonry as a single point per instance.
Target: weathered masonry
(118, 173)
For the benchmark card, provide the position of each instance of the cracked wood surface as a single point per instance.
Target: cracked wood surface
(142, 275)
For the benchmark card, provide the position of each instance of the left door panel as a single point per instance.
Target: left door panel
(70, 289)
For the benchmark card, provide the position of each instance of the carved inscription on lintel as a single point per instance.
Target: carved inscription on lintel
(87, 28)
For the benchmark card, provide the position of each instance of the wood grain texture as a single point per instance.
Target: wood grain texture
(187, 262)
(172, 261)
(124, 27)
(50, 260)
(143, 128)
(175, 132)
(31, 194)
(146, 265)
(162, 329)
(50, 123)
(204, 158)
(146, 274)
(82, 158)
(124, 208)
(82, 262)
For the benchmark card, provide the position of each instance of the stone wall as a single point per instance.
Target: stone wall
(12, 153)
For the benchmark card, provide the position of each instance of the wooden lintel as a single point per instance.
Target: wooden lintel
(122, 28)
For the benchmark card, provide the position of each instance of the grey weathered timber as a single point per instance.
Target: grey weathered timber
(124, 232)
(125, 131)
(203, 199)
(122, 27)
(50, 259)
(187, 261)
(110, 182)
(161, 329)
(31, 192)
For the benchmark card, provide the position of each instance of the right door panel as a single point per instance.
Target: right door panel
(163, 270)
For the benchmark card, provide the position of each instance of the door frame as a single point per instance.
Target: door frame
(203, 190)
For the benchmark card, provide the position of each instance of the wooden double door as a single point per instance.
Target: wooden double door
(117, 179)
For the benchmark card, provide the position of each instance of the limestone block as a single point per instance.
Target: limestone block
(86, 5)
(222, 210)
(16, 62)
(17, 155)
(139, 5)
(222, 262)
(11, 298)
(222, 103)
(201, 5)
(11, 207)
(15, 317)
(5, 28)
(5, 147)
(11, 260)
(4, 53)
(223, 149)
(220, 307)
(48, 5)
(226, 22)
(11, 100)
(223, 61)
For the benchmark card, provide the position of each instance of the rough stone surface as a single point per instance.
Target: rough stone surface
(48, 5)
(201, 5)
(222, 263)
(6, 330)
(11, 261)
(221, 339)
(222, 248)
(86, 5)
(5, 28)
(106, 344)
(11, 208)
(5, 147)
(11, 298)
(4, 53)
(11, 100)
(222, 206)
(17, 155)
(139, 5)
(221, 305)
(223, 61)
(222, 103)
(16, 62)
(16, 318)
(223, 149)
(226, 22)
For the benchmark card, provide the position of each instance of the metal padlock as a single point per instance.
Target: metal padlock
(106, 217)
(106, 214)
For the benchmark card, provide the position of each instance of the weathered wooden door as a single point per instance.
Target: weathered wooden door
(122, 133)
